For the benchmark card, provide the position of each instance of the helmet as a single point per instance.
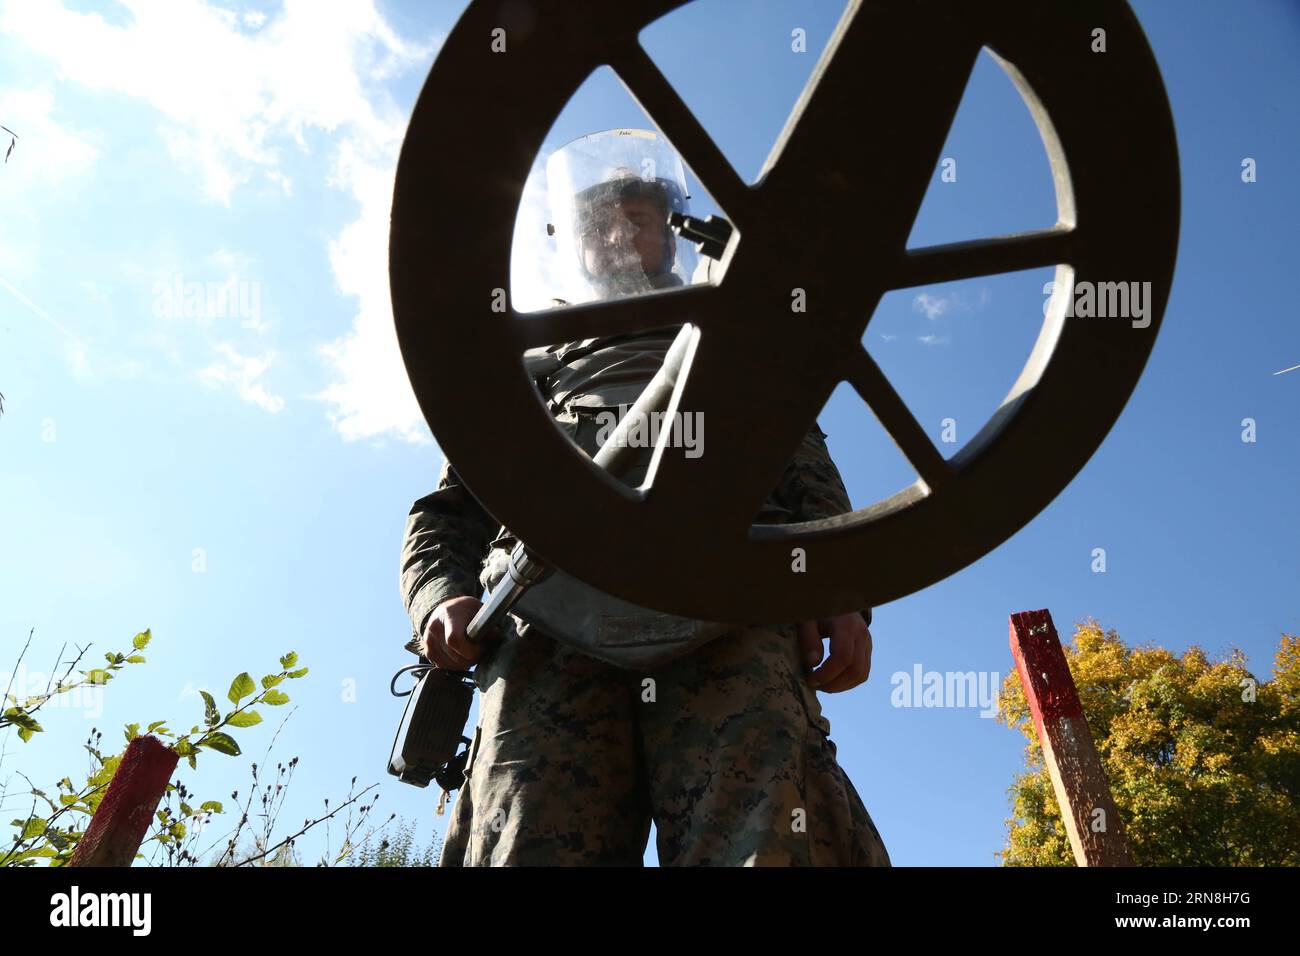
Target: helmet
(610, 195)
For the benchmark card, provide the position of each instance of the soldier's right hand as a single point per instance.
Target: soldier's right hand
(444, 641)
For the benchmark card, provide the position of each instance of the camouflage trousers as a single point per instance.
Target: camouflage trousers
(726, 749)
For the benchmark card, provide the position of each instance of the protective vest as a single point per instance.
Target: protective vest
(578, 379)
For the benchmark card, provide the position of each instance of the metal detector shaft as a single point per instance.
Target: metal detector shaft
(615, 456)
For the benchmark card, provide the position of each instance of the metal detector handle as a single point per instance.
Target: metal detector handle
(522, 571)
(616, 455)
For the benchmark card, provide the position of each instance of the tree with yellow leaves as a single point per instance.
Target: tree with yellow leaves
(1203, 758)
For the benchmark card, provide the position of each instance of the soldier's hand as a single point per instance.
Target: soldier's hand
(444, 641)
(850, 659)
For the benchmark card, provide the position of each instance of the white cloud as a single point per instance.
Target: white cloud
(48, 151)
(232, 93)
(933, 305)
(228, 96)
(936, 305)
(241, 372)
(372, 394)
(932, 339)
(206, 156)
(281, 180)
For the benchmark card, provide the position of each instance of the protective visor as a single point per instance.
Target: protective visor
(610, 195)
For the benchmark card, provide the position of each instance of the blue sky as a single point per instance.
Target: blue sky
(236, 476)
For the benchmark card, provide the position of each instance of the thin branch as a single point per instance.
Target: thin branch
(4, 704)
(243, 816)
(19, 662)
(308, 826)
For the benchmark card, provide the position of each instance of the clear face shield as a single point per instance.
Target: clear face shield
(610, 195)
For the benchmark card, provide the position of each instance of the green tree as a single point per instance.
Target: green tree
(1203, 758)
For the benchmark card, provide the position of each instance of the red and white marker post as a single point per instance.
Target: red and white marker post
(122, 818)
(1091, 819)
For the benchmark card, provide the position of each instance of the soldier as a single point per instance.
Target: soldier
(718, 738)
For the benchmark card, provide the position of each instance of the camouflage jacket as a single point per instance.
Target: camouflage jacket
(449, 534)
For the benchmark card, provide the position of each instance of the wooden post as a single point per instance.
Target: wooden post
(122, 817)
(1091, 819)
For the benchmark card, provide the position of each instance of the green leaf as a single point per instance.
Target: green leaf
(186, 809)
(23, 719)
(240, 688)
(298, 673)
(141, 640)
(270, 680)
(97, 676)
(289, 660)
(221, 743)
(132, 731)
(68, 799)
(135, 659)
(193, 765)
(211, 715)
(33, 827)
(244, 718)
(39, 851)
(154, 726)
(103, 775)
(212, 806)
(24, 734)
(275, 698)
(183, 747)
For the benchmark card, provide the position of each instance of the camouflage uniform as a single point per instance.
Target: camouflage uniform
(726, 748)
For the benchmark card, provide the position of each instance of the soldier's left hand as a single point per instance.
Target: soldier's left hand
(849, 662)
